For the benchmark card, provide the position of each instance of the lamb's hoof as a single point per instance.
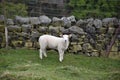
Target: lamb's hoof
(46, 56)
(41, 58)
(60, 60)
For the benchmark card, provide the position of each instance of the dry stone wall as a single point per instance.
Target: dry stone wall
(89, 36)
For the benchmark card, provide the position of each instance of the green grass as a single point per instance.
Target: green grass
(24, 64)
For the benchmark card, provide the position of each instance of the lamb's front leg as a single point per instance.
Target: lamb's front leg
(44, 53)
(61, 55)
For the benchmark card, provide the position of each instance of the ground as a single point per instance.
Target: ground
(24, 64)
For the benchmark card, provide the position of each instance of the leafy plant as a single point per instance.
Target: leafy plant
(13, 9)
(94, 8)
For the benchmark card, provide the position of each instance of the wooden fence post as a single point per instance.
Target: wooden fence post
(112, 41)
(5, 19)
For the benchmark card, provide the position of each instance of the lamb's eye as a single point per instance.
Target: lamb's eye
(65, 41)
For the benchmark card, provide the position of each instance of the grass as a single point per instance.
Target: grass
(24, 64)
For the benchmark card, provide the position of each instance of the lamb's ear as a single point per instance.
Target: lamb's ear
(70, 35)
(61, 35)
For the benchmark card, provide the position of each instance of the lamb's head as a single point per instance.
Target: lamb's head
(66, 40)
(66, 37)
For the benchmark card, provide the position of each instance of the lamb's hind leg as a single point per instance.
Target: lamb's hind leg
(40, 54)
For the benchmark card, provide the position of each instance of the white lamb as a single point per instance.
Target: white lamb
(49, 41)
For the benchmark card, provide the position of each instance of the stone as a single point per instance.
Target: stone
(14, 28)
(111, 30)
(97, 23)
(57, 21)
(26, 28)
(43, 29)
(34, 20)
(34, 36)
(110, 22)
(45, 20)
(76, 48)
(74, 38)
(10, 22)
(90, 29)
(22, 20)
(2, 18)
(87, 47)
(67, 23)
(90, 21)
(54, 30)
(2, 28)
(76, 30)
(81, 23)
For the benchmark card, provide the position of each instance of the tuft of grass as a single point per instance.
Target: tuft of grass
(24, 64)
(7, 76)
(69, 70)
(114, 76)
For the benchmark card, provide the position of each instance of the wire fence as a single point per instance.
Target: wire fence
(56, 8)
(48, 8)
